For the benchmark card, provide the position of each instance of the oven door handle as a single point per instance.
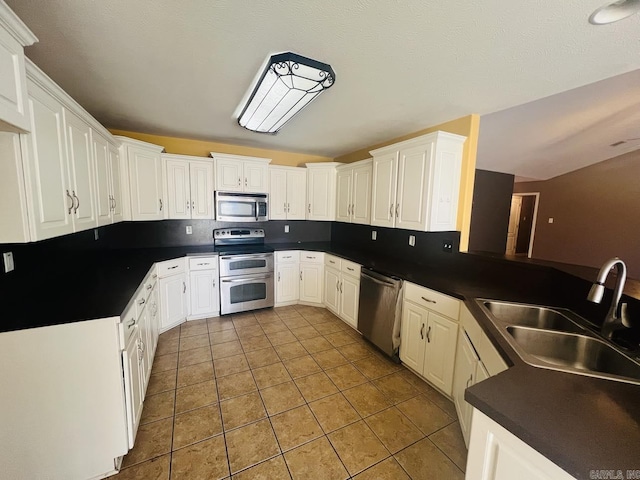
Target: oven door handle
(247, 257)
(245, 279)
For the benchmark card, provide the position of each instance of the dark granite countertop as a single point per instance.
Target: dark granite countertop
(580, 423)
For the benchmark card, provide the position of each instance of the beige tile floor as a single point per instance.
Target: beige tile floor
(291, 392)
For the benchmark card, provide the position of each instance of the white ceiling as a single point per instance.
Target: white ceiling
(181, 68)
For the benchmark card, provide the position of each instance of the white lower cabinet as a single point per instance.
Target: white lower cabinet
(332, 289)
(428, 338)
(342, 288)
(299, 277)
(497, 454)
(311, 277)
(173, 293)
(133, 391)
(204, 289)
(350, 296)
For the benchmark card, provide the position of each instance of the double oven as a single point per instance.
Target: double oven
(246, 270)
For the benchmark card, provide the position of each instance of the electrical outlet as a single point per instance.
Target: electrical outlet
(8, 262)
(412, 240)
(96, 235)
(189, 229)
(550, 219)
(286, 229)
(447, 246)
(374, 235)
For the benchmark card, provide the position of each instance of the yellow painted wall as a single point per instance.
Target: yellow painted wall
(468, 126)
(201, 148)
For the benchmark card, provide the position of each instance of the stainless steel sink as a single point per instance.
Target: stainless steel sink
(571, 352)
(558, 339)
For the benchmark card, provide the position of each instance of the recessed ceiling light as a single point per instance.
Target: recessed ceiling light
(615, 11)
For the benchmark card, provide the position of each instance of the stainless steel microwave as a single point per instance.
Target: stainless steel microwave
(241, 207)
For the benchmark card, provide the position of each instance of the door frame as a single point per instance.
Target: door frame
(534, 219)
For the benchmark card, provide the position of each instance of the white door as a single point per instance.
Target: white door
(117, 197)
(412, 339)
(440, 353)
(361, 194)
(331, 290)
(343, 195)
(13, 91)
(81, 172)
(145, 348)
(104, 203)
(383, 193)
(320, 194)
(287, 282)
(145, 172)
(154, 316)
(311, 281)
(514, 223)
(256, 176)
(228, 175)
(178, 189)
(173, 305)
(201, 185)
(296, 194)
(445, 187)
(131, 361)
(203, 288)
(277, 194)
(350, 293)
(414, 168)
(45, 154)
(465, 369)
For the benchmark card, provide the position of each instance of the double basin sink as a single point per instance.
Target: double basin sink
(558, 339)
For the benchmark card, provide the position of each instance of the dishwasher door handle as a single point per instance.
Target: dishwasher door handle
(379, 282)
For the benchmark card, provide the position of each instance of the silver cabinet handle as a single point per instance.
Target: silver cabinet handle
(340, 287)
(429, 334)
(350, 269)
(184, 287)
(176, 266)
(70, 198)
(188, 204)
(131, 323)
(284, 206)
(391, 211)
(287, 256)
(469, 381)
(278, 276)
(160, 200)
(310, 258)
(114, 203)
(245, 181)
(193, 205)
(309, 208)
(397, 207)
(422, 332)
(149, 287)
(288, 207)
(428, 301)
(75, 210)
(142, 301)
(300, 275)
(332, 262)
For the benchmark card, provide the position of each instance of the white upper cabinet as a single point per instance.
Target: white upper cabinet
(416, 183)
(14, 36)
(287, 193)
(145, 178)
(321, 191)
(236, 173)
(117, 196)
(353, 192)
(104, 203)
(189, 187)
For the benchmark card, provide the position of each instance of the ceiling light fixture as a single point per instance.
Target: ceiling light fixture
(615, 11)
(288, 83)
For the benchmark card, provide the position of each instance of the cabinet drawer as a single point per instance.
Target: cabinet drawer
(442, 304)
(128, 325)
(332, 261)
(288, 256)
(171, 267)
(203, 263)
(350, 268)
(312, 257)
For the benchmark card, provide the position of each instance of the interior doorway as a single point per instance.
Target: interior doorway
(522, 224)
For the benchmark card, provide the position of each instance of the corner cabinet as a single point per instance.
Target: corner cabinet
(204, 287)
(173, 293)
(321, 191)
(189, 187)
(353, 192)
(145, 179)
(236, 173)
(416, 183)
(287, 193)
(342, 288)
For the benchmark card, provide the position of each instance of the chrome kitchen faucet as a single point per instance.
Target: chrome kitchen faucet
(612, 321)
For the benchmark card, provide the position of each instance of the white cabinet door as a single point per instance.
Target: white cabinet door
(146, 350)
(201, 185)
(277, 194)
(311, 281)
(13, 89)
(321, 193)
(350, 293)
(117, 197)
(45, 155)
(102, 167)
(81, 172)
(440, 353)
(465, 370)
(178, 189)
(445, 187)
(287, 282)
(383, 194)
(331, 290)
(203, 289)
(229, 175)
(412, 201)
(412, 335)
(361, 194)
(145, 172)
(343, 195)
(296, 194)
(131, 361)
(154, 317)
(256, 177)
(173, 303)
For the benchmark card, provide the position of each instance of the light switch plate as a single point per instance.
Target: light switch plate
(189, 229)
(96, 235)
(412, 240)
(8, 262)
(374, 235)
(286, 229)
(550, 219)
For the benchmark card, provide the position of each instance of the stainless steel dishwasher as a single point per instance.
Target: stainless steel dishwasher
(379, 311)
